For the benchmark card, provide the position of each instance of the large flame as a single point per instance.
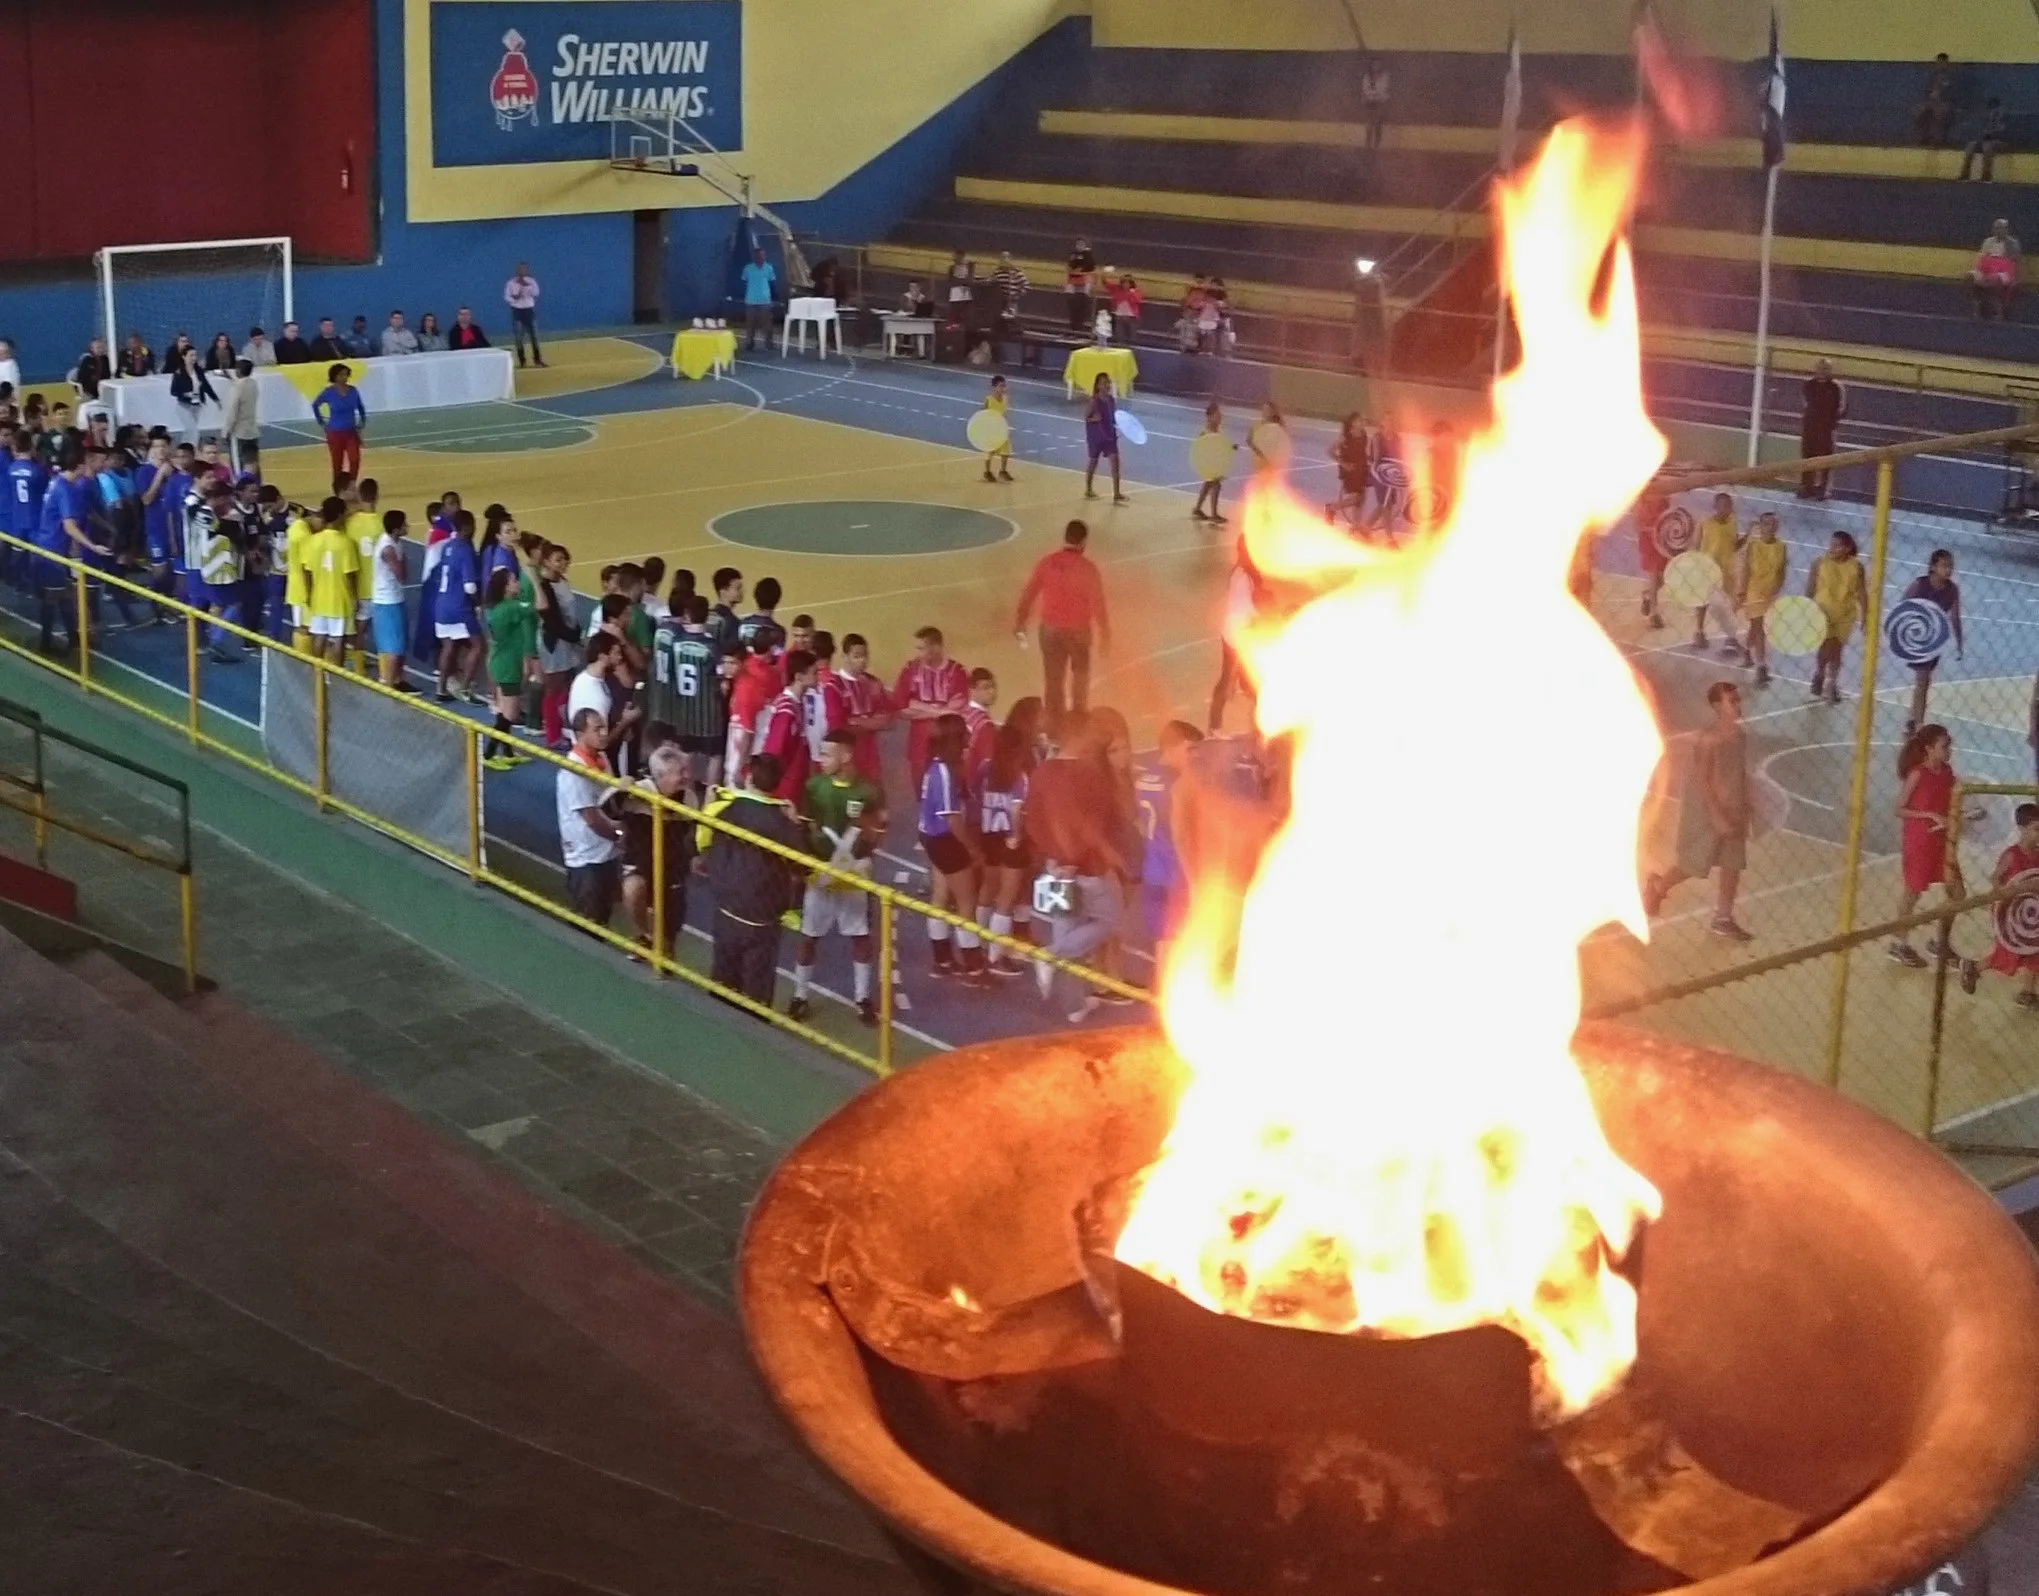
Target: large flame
(1384, 1129)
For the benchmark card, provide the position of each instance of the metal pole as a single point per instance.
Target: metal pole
(42, 820)
(658, 889)
(885, 933)
(187, 914)
(191, 674)
(1763, 317)
(1858, 792)
(319, 725)
(84, 629)
(1942, 957)
(473, 807)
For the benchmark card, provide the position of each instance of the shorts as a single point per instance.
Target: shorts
(327, 625)
(223, 595)
(1003, 851)
(946, 853)
(196, 593)
(391, 635)
(452, 631)
(158, 548)
(827, 910)
(1161, 908)
(1101, 444)
(300, 617)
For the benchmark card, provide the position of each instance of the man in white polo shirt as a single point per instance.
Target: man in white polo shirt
(520, 293)
(590, 840)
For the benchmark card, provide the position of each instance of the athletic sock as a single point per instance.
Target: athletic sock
(802, 974)
(301, 640)
(938, 940)
(1001, 926)
(861, 981)
(966, 939)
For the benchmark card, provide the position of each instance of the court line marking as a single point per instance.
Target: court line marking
(1012, 529)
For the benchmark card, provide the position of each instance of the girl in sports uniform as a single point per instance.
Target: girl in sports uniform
(949, 840)
(1836, 585)
(1000, 784)
(1925, 800)
(1764, 562)
(1101, 438)
(999, 403)
(2017, 947)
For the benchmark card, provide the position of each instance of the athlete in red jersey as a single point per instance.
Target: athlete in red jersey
(785, 728)
(1925, 801)
(870, 710)
(751, 692)
(826, 703)
(2017, 918)
(1649, 509)
(977, 716)
(931, 686)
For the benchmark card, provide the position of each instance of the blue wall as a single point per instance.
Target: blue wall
(583, 261)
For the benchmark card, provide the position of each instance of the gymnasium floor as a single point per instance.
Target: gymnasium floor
(853, 484)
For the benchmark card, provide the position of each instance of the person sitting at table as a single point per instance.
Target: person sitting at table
(355, 343)
(136, 360)
(466, 333)
(328, 346)
(1995, 273)
(913, 302)
(397, 339)
(291, 349)
(430, 339)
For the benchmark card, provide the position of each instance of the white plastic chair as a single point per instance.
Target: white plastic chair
(821, 314)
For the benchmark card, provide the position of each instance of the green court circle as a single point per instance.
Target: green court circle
(862, 528)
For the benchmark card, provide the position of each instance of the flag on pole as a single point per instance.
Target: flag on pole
(1773, 103)
(1511, 101)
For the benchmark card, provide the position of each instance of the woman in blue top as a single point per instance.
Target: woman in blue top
(1101, 436)
(950, 843)
(339, 409)
(456, 584)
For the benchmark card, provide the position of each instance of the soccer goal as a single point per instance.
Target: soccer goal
(218, 285)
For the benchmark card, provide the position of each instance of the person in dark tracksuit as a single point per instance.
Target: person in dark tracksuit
(752, 887)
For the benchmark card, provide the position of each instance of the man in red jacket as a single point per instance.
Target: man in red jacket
(785, 727)
(1071, 596)
(932, 685)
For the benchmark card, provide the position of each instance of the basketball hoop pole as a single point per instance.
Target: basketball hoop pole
(688, 153)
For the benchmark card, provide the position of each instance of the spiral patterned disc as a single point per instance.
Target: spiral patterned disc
(2018, 918)
(1918, 631)
(1676, 532)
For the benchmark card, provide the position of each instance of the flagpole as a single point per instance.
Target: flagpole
(1763, 315)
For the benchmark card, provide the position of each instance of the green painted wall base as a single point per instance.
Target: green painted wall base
(764, 1080)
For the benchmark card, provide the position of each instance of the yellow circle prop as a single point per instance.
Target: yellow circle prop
(1273, 443)
(988, 432)
(1795, 625)
(1692, 579)
(1210, 456)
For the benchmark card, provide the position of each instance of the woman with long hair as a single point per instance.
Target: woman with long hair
(219, 354)
(431, 340)
(949, 839)
(1115, 737)
(1000, 785)
(1352, 454)
(1925, 808)
(559, 639)
(1836, 584)
(1101, 438)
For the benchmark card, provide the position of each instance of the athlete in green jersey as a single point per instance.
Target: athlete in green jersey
(846, 821)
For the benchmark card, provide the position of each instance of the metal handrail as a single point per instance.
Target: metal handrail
(37, 808)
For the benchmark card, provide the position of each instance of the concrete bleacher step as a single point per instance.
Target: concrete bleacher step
(248, 1300)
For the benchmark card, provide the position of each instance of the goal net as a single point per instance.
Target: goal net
(218, 286)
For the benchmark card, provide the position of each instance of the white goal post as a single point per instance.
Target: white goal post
(222, 284)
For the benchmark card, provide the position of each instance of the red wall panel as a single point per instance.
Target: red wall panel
(212, 119)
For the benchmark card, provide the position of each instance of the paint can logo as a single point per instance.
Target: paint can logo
(513, 91)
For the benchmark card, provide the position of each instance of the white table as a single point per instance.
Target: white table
(285, 393)
(900, 326)
(820, 314)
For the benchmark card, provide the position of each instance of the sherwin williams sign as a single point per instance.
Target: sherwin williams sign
(538, 80)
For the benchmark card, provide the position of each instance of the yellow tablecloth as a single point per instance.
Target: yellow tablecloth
(1085, 364)
(697, 350)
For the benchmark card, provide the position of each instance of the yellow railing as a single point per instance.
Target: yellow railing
(472, 860)
(28, 794)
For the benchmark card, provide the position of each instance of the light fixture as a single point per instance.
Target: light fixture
(1365, 265)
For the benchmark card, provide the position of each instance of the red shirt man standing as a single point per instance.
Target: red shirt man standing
(870, 711)
(931, 686)
(1071, 595)
(785, 728)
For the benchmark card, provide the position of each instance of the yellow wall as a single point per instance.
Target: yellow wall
(825, 88)
(1836, 30)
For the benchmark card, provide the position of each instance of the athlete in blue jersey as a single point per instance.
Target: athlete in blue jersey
(456, 624)
(1159, 795)
(21, 508)
(62, 529)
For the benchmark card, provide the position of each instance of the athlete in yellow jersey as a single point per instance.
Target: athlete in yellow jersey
(364, 526)
(1719, 540)
(296, 579)
(1836, 585)
(1761, 579)
(998, 402)
(332, 560)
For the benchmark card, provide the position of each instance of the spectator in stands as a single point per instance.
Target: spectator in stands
(219, 354)
(258, 350)
(136, 360)
(10, 368)
(1988, 142)
(1373, 100)
(1933, 121)
(1995, 274)
(752, 887)
(962, 275)
(173, 353)
(1082, 268)
(914, 301)
(327, 346)
(397, 339)
(292, 350)
(355, 343)
(589, 838)
(758, 278)
(520, 293)
(1011, 284)
(431, 340)
(1125, 304)
(466, 334)
(1823, 404)
(240, 419)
